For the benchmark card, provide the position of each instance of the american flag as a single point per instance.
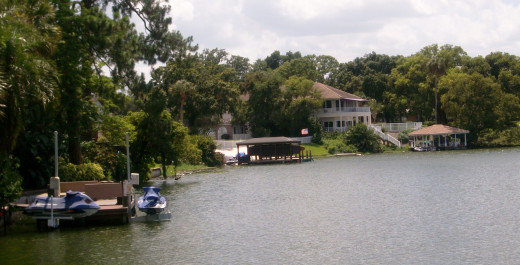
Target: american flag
(305, 131)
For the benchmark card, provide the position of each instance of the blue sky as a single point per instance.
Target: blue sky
(346, 29)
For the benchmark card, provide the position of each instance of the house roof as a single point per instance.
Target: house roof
(329, 92)
(438, 129)
(268, 140)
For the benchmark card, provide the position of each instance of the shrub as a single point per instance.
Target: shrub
(108, 157)
(316, 132)
(192, 154)
(207, 146)
(86, 171)
(403, 136)
(337, 145)
(364, 139)
(10, 181)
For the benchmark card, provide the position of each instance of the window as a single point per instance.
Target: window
(338, 124)
(328, 104)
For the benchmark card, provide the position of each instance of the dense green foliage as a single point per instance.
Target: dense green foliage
(364, 139)
(70, 66)
(83, 172)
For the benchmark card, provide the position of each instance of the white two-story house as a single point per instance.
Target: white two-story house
(341, 110)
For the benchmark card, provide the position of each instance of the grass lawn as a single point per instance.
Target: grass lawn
(182, 168)
(316, 150)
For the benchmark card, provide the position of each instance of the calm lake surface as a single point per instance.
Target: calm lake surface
(457, 207)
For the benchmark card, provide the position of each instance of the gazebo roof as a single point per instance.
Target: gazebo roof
(438, 129)
(268, 140)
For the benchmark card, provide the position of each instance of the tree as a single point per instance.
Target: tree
(275, 60)
(90, 38)
(265, 98)
(181, 89)
(364, 139)
(166, 139)
(303, 67)
(95, 41)
(28, 76)
(475, 102)
(440, 59)
(301, 99)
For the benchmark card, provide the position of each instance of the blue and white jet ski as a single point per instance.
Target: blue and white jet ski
(74, 205)
(152, 202)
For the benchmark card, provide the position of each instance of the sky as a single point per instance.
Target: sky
(346, 29)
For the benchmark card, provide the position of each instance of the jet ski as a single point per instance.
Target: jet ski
(75, 204)
(152, 202)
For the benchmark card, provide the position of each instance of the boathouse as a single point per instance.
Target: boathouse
(270, 150)
(439, 137)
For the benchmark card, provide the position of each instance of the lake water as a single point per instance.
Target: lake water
(457, 207)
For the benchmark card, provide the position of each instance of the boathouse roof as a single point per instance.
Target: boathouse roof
(438, 129)
(269, 140)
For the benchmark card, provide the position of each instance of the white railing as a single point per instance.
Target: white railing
(304, 140)
(346, 109)
(244, 136)
(399, 127)
(226, 144)
(385, 136)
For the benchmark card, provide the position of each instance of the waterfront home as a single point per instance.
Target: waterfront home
(341, 110)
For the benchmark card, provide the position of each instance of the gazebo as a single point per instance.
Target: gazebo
(439, 137)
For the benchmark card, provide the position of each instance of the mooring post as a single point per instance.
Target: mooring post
(128, 196)
(54, 183)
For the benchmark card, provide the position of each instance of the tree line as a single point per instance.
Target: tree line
(70, 66)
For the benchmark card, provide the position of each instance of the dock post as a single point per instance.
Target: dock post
(128, 196)
(53, 222)
(54, 183)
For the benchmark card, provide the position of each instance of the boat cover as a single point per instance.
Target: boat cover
(73, 203)
(151, 198)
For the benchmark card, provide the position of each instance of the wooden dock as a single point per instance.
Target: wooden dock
(112, 197)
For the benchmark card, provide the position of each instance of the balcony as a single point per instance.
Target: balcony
(345, 110)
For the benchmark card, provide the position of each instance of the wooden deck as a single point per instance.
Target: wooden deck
(110, 196)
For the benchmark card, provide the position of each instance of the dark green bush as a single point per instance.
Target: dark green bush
(364, 139)
(209, 157)
(337, 145)
(403, 136)
(112, 160)
(86, 171)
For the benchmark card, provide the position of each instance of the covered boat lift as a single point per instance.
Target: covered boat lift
(439, 137)
(270, 150)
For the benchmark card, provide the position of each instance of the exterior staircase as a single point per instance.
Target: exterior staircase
(385, 136)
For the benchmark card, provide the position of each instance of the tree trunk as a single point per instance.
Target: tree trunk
(75, 150)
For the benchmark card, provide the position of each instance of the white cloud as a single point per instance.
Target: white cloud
(182, 10)
(346, 29)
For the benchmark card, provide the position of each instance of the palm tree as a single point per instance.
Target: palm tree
(182, 88)
(27, 74)
(437, 68)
